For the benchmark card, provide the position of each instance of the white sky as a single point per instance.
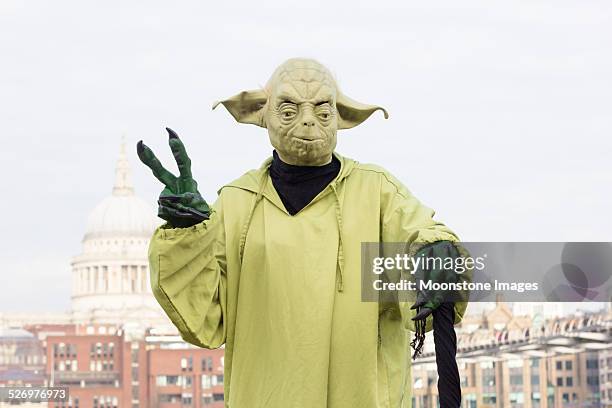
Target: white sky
(500, 111)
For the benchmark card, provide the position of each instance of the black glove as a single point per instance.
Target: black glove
(429, 300)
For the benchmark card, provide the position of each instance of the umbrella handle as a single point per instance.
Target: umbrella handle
(445, 340)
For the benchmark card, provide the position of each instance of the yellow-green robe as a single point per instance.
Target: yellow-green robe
(283, 293)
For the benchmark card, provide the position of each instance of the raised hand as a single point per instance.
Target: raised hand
(180, 203)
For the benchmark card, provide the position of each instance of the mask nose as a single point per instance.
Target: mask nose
(308, 122)
(308, 119)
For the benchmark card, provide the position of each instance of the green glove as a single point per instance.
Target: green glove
(429, 300)
(180, 203)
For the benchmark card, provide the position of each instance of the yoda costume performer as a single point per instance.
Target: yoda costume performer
(273, 270)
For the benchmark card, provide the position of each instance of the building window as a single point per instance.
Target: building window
(135, 355)
(489, 398)
(516, 379)
(517, 398)
(569, 382)
(187, 364)
(559, 365)
(593, 381)
(559, 381)
(170, 398)
(163, 380)
(187, 398)
(592, 364)
(207, 364)
(217, 379)
(488, 378)
(470, 401)
(568, 365)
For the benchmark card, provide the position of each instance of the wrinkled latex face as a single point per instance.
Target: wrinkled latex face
(301, 115)
(302, 108)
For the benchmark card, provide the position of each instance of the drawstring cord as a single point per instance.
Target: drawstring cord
(340, 270)
(258, 197)
(247, 224)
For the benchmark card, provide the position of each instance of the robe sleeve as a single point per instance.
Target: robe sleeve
(404, 219)
(189, 280)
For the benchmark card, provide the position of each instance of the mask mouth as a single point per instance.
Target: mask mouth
(308, 140)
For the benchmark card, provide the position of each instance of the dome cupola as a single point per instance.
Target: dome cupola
(110, 277)
(122, 214)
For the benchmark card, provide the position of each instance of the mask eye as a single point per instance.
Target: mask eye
(324, 113)
(288, 112)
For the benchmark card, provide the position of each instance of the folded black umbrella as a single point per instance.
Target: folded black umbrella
(445, 341)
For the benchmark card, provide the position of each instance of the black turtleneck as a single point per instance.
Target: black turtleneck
(298, 185)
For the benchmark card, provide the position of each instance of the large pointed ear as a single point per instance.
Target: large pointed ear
(352, 113)
(247, 106)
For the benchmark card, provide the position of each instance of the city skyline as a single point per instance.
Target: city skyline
(512, 98)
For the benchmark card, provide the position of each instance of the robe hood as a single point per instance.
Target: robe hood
(259, 183)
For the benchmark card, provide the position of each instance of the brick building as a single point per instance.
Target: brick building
(110, 367)
(548, 378)
(116, 347)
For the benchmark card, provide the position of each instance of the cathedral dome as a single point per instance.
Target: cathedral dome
(122, 214)
(110, 277)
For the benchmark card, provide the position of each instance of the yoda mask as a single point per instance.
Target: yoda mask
(302, 108)
(273, 269)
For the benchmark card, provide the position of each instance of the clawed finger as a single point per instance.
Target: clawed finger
(423, 314)
(180, 154)
(420, 300)
(147, 156)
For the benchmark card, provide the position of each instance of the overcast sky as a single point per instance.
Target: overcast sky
(501, 112)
